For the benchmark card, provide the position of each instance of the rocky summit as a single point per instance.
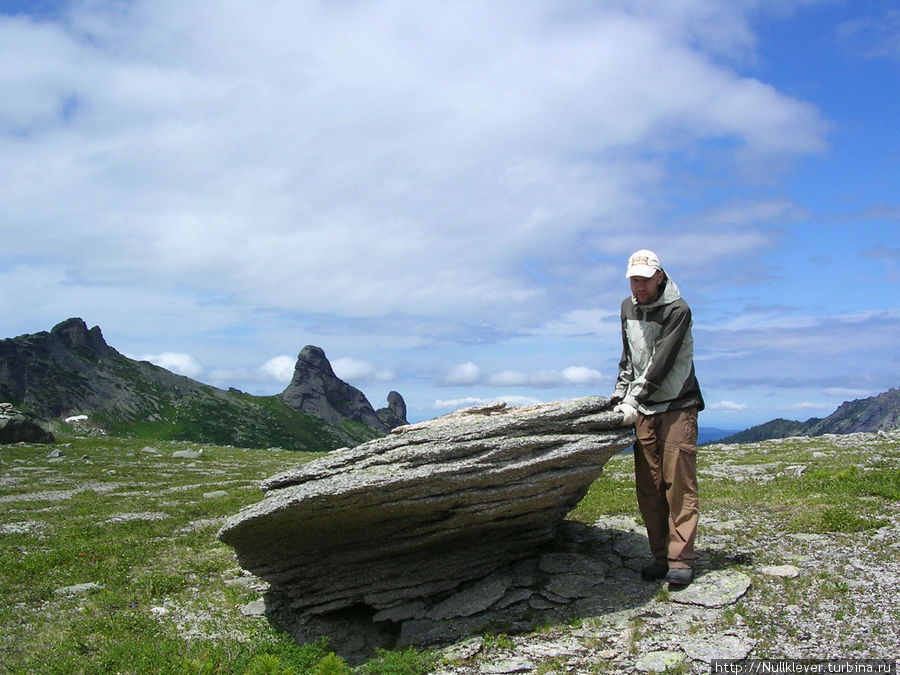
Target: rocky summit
(71, 373)
(316, 390)
(379, 542)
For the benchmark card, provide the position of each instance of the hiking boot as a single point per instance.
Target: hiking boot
(680, 576)
(654, 571)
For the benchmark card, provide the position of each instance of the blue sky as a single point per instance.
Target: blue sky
(443, 195)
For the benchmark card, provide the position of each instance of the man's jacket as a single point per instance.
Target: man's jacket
(656, 372)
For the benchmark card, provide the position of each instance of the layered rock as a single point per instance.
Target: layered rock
(16, 427)
(316, 390)
(389, 528)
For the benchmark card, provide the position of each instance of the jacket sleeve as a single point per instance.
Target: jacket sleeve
(626, 368)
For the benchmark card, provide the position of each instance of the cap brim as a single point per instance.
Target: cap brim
(641, 271)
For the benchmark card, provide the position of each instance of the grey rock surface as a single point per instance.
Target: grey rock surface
(709, 648)
(715, 589)
(188, 454)
(315, 389)
(395, 413)
(88, 587)
(787, 571)
(659, 661)
(400, 524)
(16, 427)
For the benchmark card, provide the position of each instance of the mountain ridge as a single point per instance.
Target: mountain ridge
(875, 413)
(71, 371)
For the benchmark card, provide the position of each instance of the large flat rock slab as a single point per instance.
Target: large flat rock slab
(421, 511)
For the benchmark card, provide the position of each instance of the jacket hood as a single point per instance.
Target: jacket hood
(669, 293)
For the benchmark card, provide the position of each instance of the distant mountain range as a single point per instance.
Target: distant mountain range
(70, 373)
(877, 413)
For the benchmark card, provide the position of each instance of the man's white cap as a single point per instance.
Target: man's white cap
(643, 263)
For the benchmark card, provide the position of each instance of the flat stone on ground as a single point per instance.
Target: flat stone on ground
(714, 589)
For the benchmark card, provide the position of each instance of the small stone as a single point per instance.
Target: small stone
(724, 525)
(78, 589)
(464, 650)
(708, 649)
(788, 571)
(255, 608)
(571, 586)
(626, 523)
(795, 470)
(514, 665)
(714, 589)
(19, 528)
(215, 495)
(659, 661)
(188, 454)
(633, 545)
(250, 582)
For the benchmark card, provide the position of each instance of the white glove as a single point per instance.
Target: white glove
(629, 413)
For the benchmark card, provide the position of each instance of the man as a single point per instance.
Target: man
(658, 392)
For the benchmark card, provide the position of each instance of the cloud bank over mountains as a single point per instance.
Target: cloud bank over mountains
(439, 194)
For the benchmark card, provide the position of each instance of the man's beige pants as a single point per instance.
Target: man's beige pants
(665, 471)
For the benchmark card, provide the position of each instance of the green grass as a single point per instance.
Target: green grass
(611, 494)
(142, 527)
(139, 527)
(234, 418)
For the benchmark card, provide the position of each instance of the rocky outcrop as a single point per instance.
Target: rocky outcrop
(395, 414)
(379, 536)
(71, 371)
(16, 427)
(46, 371)
(315, 389)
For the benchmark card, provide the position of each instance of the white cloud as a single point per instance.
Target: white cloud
(727, 406)
(509, 378)
(581, 375)
(875, 36)
(468, 401)
(440, 175)
(463, 374)
(177, 362)
(279, 368)
(848, 392)
(285, 145)
(755, 213)
(546, 377)
(356, 370)
(807, 405)
(600, 323)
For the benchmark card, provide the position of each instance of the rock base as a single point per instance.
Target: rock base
(577, 574)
